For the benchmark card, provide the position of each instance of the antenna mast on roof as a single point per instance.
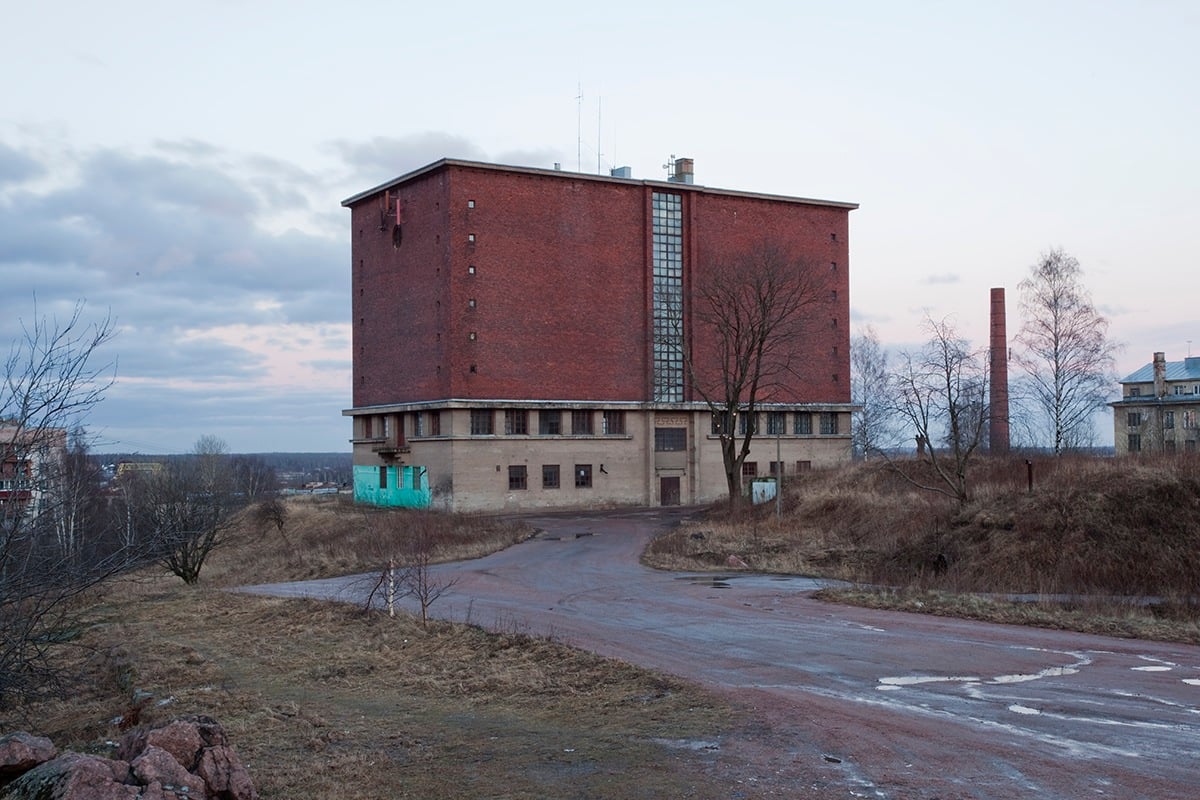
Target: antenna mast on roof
(579, 130)
(599, 106)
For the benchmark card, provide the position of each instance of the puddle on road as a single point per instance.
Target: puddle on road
(1023, 710)
(1151, 669)
(713, 581)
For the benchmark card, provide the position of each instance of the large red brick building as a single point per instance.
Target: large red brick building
(509, 346)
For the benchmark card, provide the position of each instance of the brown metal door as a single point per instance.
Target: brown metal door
(668, 491)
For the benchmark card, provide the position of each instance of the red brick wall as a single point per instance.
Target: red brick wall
(401, 295)
(561, 286)
(815, 237)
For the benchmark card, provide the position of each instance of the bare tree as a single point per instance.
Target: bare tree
(48, 384)
(418, 578)
(871, 387)
(1064, 349)
(186, 507)
(941, 395)
(253, 477)
(749, 316)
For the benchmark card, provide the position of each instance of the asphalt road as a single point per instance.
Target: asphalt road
(852, 702)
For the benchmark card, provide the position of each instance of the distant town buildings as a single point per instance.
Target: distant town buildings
(1159, 409)
(512, 337)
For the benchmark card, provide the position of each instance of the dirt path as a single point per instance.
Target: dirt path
(852, 702)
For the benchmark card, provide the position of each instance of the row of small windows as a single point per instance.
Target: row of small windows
(777, 423)
(1134, 419)
(518, 477)
(1135, 444)
(1178, 389)
(483, 422)
(550, 422)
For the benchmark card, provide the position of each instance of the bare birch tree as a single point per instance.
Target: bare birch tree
(1064, 350)
(871, 388)
(751, 311)
(941, 394)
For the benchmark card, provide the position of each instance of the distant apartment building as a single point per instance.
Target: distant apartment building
(30, 460)
(509, 330)
(1159, 409)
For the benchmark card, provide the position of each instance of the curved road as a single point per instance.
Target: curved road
(855, 702)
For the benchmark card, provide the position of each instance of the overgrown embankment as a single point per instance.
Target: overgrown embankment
(1098, 527)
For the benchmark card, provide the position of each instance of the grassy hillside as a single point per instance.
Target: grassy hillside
(1112, 528)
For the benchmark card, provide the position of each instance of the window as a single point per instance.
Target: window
(775, 467)
(583, 476)
(1170, 445)
(549, 476)
(614, 423)
(829, 423)
(1169, 420)
(1135, 391)
(749, 469)
(471, 269)
(516, 422)
(471, 238)
(418, 424)
(720, 423)
(383, 477)
(481, 422)
(435, 423)
(1134, 418)
(1189, 419)
(1180, 389)
(470, 204)
(581, 423)
(803, 466)
(666, 222)
(776, 422)
(747, 420)
(670, 440)
(1135, 443)
(517, 478)
(803, 424)
(386, 426)
(549, 423)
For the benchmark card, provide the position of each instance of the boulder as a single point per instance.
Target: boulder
(188, 757)
(21, 752)
(74, 776)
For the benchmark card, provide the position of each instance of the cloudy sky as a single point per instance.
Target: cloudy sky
(181, 166)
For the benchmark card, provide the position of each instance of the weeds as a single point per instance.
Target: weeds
(1115, 528)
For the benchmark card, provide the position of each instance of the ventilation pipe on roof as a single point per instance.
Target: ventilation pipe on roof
(683, 170)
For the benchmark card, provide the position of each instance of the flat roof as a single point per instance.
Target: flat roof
(446, 163)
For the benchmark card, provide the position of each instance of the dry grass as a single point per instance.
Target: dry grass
(327, 536)
(322, 700)
(1091, 527)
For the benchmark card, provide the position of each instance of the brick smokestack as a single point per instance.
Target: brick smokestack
(1160, 375)
(998, 400)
